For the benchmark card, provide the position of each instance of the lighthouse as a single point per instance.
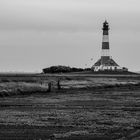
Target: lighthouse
(105, 56)
(106, 63)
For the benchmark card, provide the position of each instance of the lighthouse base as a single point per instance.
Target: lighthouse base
(108, 65)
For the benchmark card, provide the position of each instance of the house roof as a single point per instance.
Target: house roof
(109, 62)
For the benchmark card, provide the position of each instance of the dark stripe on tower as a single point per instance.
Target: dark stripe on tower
(105, 32)
(105, 45)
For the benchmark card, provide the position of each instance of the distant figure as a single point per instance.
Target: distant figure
(58, 84)
(49, 87)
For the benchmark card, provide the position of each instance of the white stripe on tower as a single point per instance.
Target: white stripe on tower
(105, 52)
(105, 38)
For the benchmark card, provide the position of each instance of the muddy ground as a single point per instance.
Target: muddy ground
(89, 112)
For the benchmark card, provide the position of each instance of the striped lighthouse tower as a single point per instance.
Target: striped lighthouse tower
(105, 56)
(106, 63)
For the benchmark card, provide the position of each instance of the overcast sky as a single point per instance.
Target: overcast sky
(35, 34)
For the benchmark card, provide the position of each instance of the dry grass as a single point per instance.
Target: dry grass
(28, 84)
(110, 114)
(17, 88)
(108, 109)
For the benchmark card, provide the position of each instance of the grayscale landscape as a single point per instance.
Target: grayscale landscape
(69, 70)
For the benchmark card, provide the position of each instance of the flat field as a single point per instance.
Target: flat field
(88, 107)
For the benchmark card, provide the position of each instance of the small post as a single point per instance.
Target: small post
(49, 87)
(58, 84)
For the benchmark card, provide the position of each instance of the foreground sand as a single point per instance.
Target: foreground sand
(112, 112)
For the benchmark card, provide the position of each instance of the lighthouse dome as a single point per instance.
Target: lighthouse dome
(105, 25)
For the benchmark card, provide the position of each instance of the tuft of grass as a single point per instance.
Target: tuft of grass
(18, 88)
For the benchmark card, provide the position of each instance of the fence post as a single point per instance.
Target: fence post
(49, 87)
(58, 84)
